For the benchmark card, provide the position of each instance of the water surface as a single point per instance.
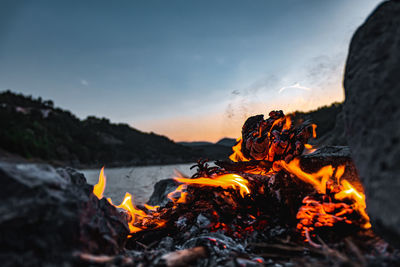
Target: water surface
(138, 181)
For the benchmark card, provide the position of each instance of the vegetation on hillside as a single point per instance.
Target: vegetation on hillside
(34, 128)
(325, 117)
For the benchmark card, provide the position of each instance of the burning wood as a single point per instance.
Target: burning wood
(272, 139)
(262, 194)
(330, 201)
(248, 212)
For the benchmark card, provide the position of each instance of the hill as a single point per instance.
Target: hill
(35, 129)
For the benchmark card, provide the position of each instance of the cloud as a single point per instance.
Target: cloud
(294, 86)
(84, 82)
(235, 92)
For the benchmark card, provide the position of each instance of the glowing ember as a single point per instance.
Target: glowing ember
(332, 209)
(314, 214)
(314, 130)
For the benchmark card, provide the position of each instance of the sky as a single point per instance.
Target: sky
(190, 70)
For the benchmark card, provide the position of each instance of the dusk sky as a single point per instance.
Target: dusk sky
(191, 70)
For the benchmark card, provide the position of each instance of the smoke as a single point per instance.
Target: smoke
(309, 86)
(324, 70)
(294, 86)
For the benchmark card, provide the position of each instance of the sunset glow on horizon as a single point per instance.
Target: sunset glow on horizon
(214, 126)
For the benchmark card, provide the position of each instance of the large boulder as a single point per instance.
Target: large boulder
(47, 214)
(372, 114)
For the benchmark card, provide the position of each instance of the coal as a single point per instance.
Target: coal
(372, 114)
(47, 214)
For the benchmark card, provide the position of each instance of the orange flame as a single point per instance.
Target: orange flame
(98, 188)
(317, 214)
(317, 180)
(225, 181)
(149, 218)
(136, 215)
(237, 152)
(358, 199)
(288, 123)
(314, 130)
(309, 149)
(308, 146)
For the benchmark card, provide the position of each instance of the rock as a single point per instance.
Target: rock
(335, 156)
(161, 190)
(329, 153)
(336, 136)
(46, 215)
(202, 221)
(372, 115)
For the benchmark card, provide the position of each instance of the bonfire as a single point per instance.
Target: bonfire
(266, 195)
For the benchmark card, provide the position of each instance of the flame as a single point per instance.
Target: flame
(358, 198)
(225, 181)
(178, 195)
(339, 173)
(130, 208)
(278, 121)
(137, 216)
(317, 180)
(332, 209)
(314, 130)
(337, 201)
(149, 218)
(237, 152)
(98, 188)
(308, 146)
(288, 123)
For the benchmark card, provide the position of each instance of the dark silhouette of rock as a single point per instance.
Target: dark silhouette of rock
(372, 114)
(161, 190)
(46, 215)
(336, 136)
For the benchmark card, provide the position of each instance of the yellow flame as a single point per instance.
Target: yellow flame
(358, 199)
(237, 152)
(98, 188)
(317, 180)
(225, 181)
